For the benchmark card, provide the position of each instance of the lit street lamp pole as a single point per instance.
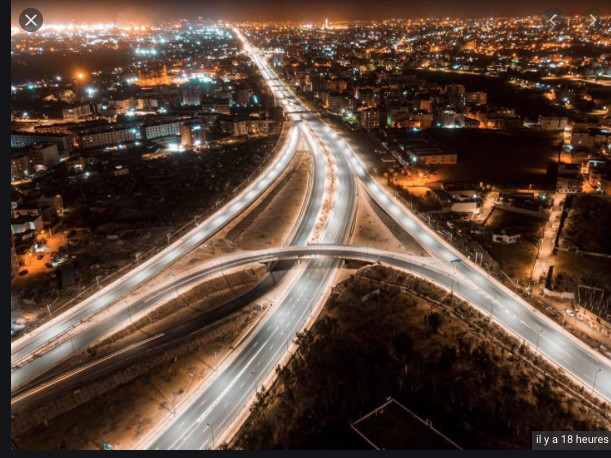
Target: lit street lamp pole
(254, 381)
(538, 335)
(455, 262)
(595, 376)
(212, 433)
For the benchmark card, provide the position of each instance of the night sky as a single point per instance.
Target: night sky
(141, 11)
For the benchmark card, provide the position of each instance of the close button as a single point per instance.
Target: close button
(30, 19)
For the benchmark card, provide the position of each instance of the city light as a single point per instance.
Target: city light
(249, 227)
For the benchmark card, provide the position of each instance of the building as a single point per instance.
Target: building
(26, 222)
(238, 127)
(477, 98)
(570, 180)
(465, 207)
(594, 306)
(68, 128)
(21, 165)
(336, 102)
(506, 237)
(369, 118)
(451, 118)
(242, 96)
(44, 157)
(191, 94)
(64, 142)
(498, 119)
(585, 137)
(54, 203)
(597, 173)
(77, 112)
(14, 258)
(553, 122)
(456, 95)
(431, 156)
(421, 120)
(192, 134)
(162, 129)
(108, 137)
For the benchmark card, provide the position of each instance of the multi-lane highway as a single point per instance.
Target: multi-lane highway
(41, 359)
(217, 406)
(219, 403)
(119, 358)
(429, 268)
(565, 350)
(569, 353)
(49, 344)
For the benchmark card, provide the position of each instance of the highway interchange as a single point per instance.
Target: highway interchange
(45, 347)
(220, 402)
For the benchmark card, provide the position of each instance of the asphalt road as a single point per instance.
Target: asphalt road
(224, 398)
(228, 394)
(45, 347)
(32, 375)
(426, 267)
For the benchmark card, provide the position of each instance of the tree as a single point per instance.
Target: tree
(403, 345)
(434, 320)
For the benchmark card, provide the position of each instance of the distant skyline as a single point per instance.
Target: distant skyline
(141, 11)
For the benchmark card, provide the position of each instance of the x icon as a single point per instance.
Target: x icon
(30, 19)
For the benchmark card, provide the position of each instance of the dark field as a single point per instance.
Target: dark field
(25, 68)
(475, 390)
(506, 159)
(394, 428)
(528, 103)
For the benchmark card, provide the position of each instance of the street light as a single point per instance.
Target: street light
(254, 381)
(212, 433)
(595, 376)
(538, 335)
(455, 262)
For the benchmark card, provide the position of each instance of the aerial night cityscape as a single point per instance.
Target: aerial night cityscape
(324, 225)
